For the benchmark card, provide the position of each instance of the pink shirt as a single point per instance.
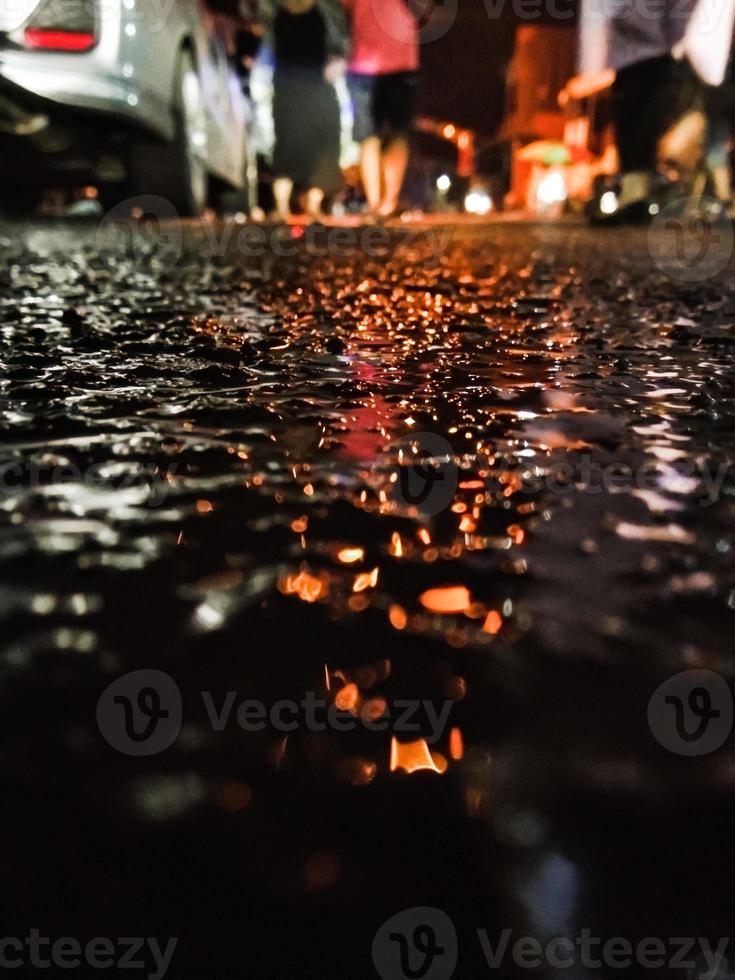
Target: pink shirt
(385, 37)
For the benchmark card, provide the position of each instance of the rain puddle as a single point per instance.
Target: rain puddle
(476, 499)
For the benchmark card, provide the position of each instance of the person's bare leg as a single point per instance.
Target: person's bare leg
(282, 190)
(395, 164)
(314, 201)
(370, 170)
(722, 183)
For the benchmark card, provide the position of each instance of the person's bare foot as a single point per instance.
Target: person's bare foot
(387, 210)
(314, 201)
(282, 190)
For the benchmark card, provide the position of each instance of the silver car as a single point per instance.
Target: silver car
(137, 95)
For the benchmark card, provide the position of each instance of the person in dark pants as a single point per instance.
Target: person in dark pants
(648, 98)
(652, 91)
(307, 37)
(383, 83)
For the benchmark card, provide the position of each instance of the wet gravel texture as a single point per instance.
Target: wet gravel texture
(485, 468)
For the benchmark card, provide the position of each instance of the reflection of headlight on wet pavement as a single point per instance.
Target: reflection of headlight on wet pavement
(478, 202)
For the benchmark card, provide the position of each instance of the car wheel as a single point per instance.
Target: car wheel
(177, 170)
(228, 200)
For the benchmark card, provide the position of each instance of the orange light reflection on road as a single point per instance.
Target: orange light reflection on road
(366, 580)
(414, 757)
(347, 698)
(308, 588)
(493, 622)
(396, 546)
(349, 556)
(446, 600)
(456, 744)
(398, 618)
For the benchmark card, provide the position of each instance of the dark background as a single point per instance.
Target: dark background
(463, 72)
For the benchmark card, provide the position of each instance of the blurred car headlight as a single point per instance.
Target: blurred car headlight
(609, 202)
(478, 202)
(552, 189)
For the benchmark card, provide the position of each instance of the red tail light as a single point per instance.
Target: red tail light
(57, 25)
(59, 40)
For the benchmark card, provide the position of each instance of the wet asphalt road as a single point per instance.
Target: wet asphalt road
(481, 473)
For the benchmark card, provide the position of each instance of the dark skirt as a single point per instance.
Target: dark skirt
(307, 123)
